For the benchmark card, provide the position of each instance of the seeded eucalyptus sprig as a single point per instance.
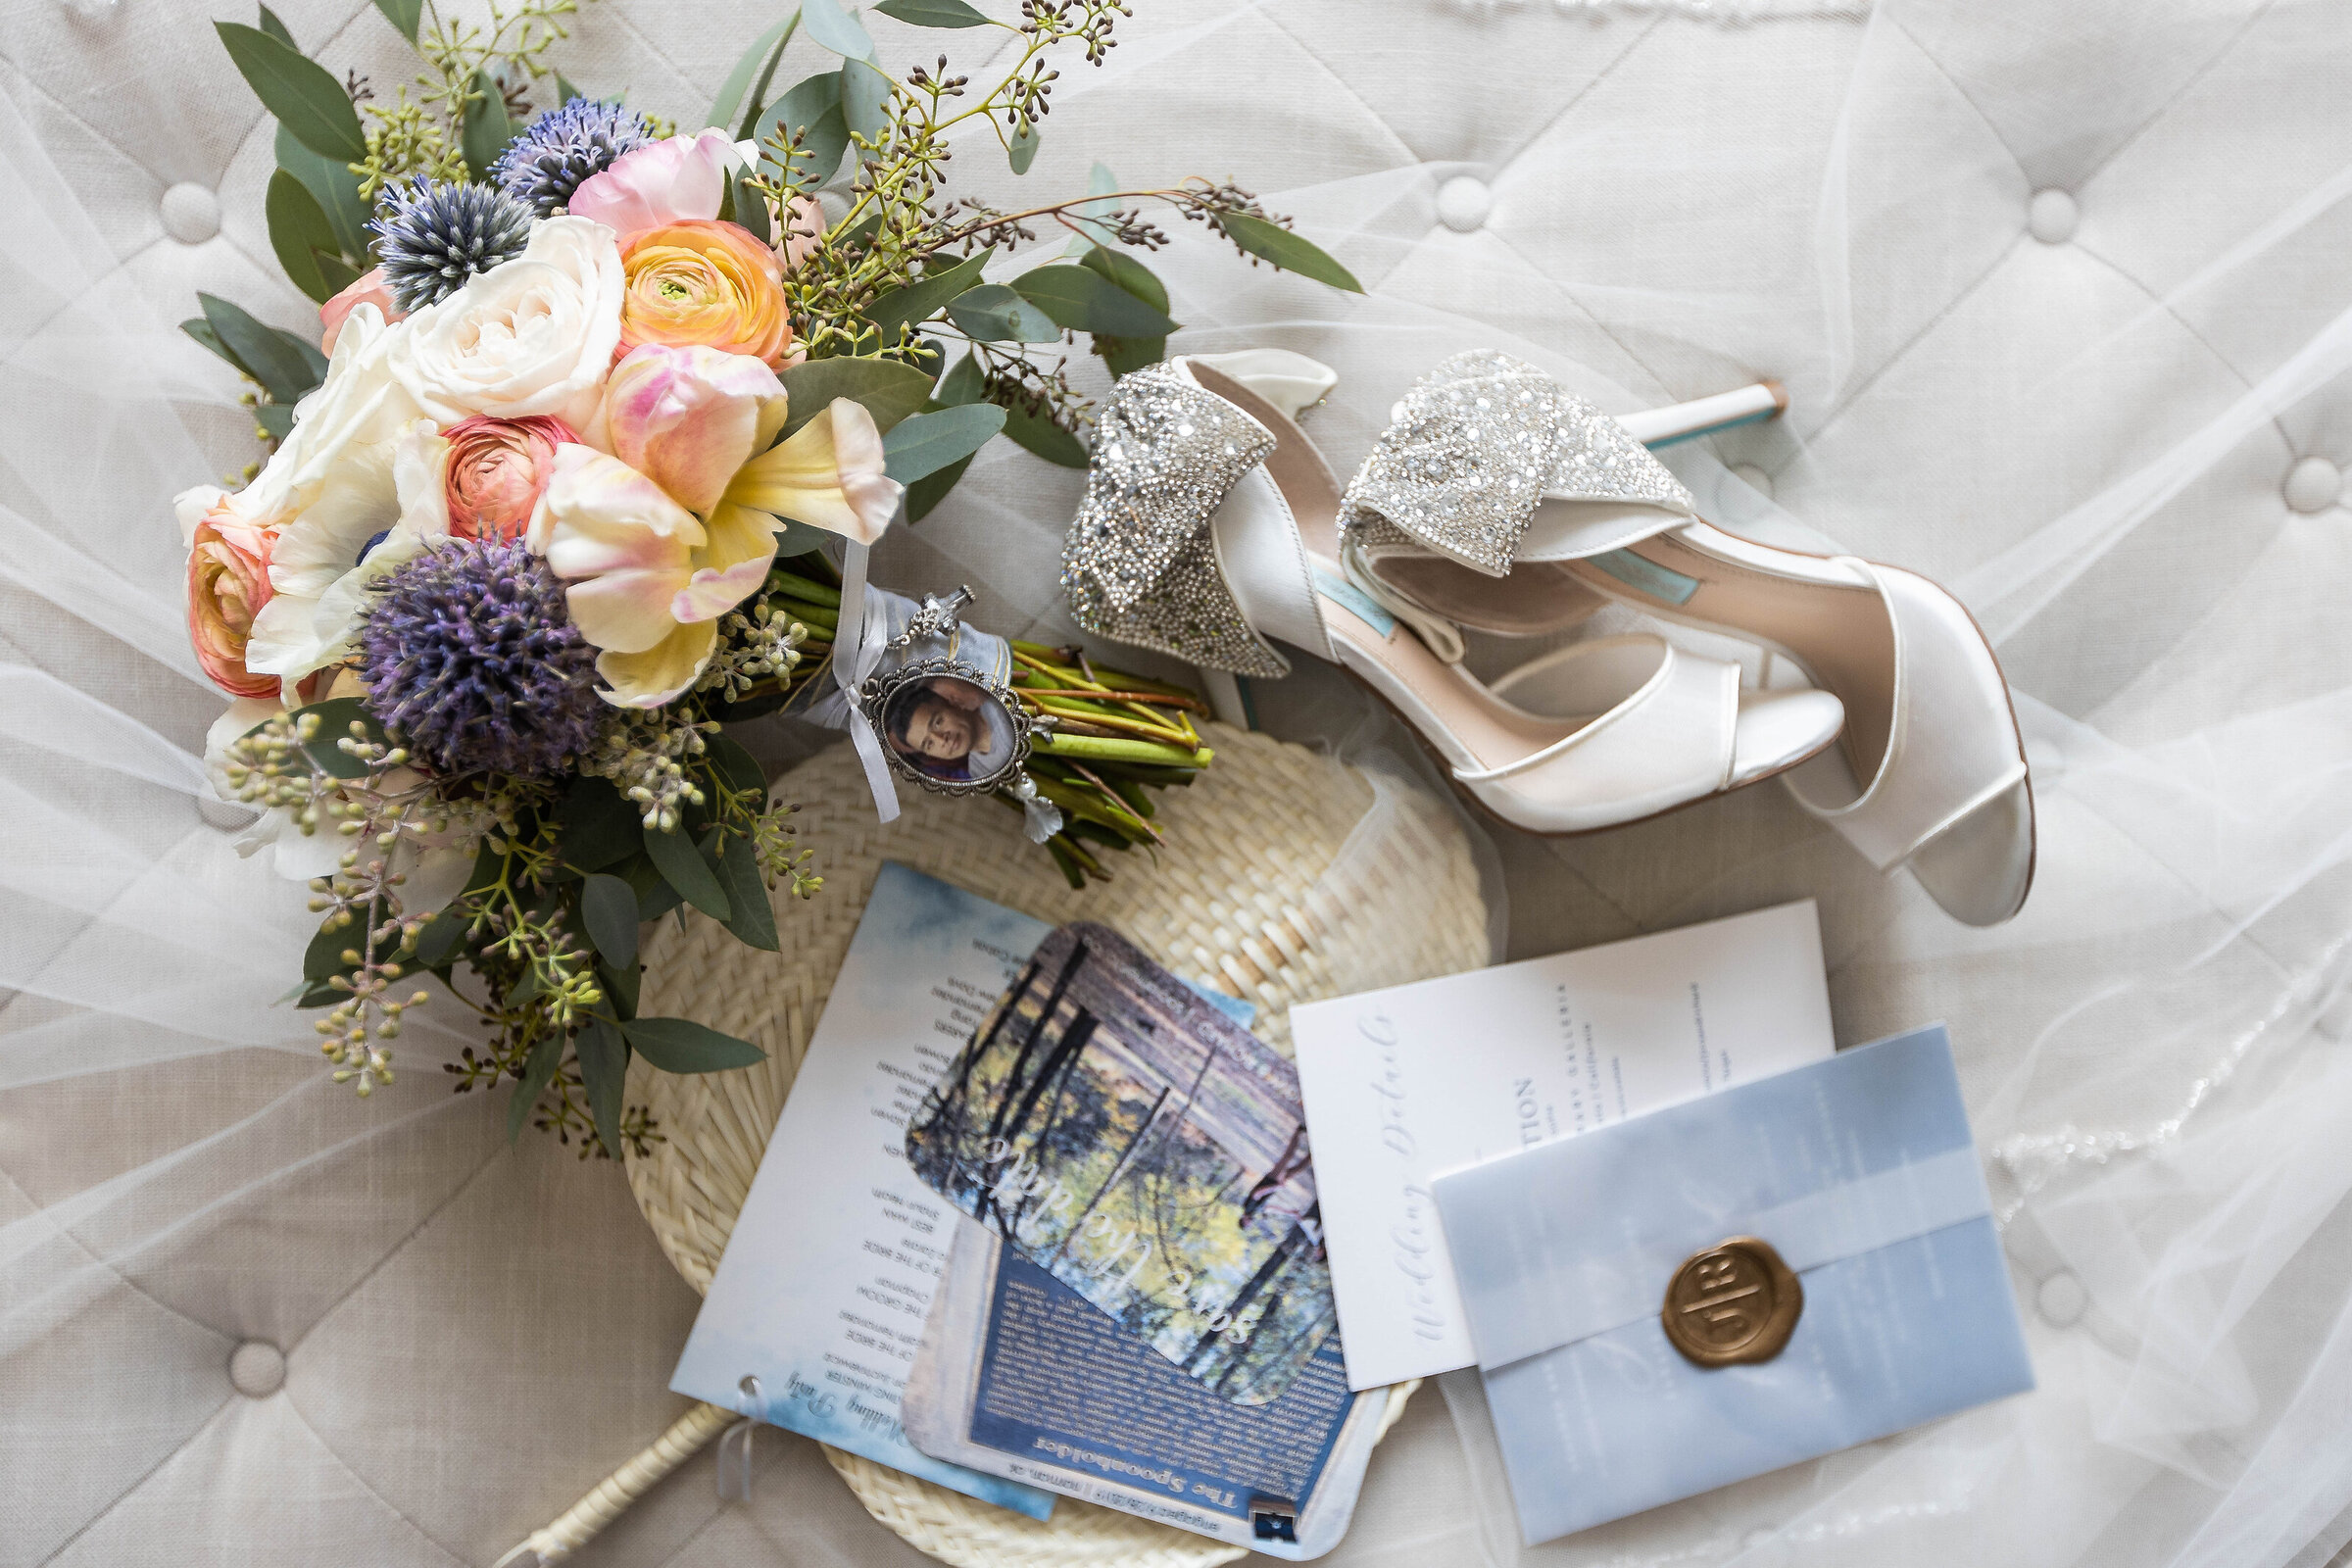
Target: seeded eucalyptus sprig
(896, 279)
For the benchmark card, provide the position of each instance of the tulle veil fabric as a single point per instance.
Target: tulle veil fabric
(2153, 1053)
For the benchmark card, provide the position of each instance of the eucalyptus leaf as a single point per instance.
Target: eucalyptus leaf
(931, 489)
(925, 443)
(1086, 301)
(622, 988)
(538, 1070)
(1100, 183)
(750, 208)
(336, 190)
(197, 327)
(680, 1045)
(1042, 436)
(339, 274)
(405, 15)
(1286, 250)
(754, 918)
(604, 1058)
(1022, 151)
(284, 374)
(566, 92)
(301, 93)
(277, 30)
(738, 101)
(306, 350)
(276, 419)
(924, 298)
(655, 898)
(1127, 355)
(1127, 273)
(595, 826)
(814, 109)
(994, 314)
(933, 12)
(865, 100)
(437, 943)
(963, 383)
(835, 29)
(609, 911)
(683, 868)
(324, 955)
(487, 129)
(890, 390)
(737, 767)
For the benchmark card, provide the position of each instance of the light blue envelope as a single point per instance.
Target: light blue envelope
(1858, 1171)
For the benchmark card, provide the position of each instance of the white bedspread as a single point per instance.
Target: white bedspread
(2063, 298)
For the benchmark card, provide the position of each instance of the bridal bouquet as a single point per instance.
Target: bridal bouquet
(561, 490)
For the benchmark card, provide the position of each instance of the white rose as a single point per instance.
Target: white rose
(534, 336)
(358, 404)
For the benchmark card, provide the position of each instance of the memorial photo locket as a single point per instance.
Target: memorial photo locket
(946, 723)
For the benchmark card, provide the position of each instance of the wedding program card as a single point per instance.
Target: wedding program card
(1404, 1084)
(828, 1277)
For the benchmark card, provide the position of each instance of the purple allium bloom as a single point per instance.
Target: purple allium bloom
(471, 657)
(543, 166)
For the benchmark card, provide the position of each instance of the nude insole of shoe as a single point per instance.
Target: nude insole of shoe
(1840, 634)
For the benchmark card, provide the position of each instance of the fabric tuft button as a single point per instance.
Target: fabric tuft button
(1463, 204)
(257, 1369)
(2062, 1299)
(2051, 217)
(191, 212)
(1755, 478)
(2314, 484)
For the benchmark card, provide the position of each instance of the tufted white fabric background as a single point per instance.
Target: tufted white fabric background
(2062, 298)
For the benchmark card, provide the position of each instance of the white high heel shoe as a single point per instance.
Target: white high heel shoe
(1489, 467)
(1210, 526)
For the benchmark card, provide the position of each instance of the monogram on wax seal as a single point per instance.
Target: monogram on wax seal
(1735, 1301)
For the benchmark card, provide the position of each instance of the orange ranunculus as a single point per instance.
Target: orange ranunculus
(496, 471)
(703, 282)
(228, 583)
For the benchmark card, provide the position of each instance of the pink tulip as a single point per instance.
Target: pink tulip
(369, 288)
(670, 182)
(688, 418)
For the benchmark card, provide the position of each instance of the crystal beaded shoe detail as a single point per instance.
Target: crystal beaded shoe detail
(1211, 529)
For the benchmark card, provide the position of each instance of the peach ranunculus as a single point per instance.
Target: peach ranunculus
(228, 583)
(673, 181)
(669, 518)
(704, 282)
(370, 288)
(496, 471)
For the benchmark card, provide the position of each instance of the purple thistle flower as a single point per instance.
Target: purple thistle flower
(547, 162)
(470, 655)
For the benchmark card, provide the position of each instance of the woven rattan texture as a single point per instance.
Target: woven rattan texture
(1286, 877)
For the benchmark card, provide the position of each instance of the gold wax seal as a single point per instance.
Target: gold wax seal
(1735, 1301)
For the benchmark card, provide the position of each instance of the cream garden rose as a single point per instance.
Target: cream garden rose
(534, 336)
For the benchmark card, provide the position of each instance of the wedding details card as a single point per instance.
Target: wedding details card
(1753, 1279)
(827, 1280)
(1404, 1084)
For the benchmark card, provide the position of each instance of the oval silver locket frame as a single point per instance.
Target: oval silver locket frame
(880, 690)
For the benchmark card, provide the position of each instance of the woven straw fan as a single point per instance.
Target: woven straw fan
(1286, 877)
